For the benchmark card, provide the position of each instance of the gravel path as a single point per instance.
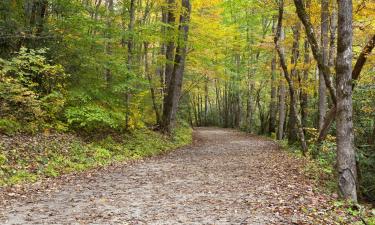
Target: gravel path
(223, 178)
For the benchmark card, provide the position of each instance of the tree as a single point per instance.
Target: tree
(292, 92)
(325, 51)
(174, 88)
(346, 162)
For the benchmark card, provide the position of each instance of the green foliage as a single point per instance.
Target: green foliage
(31, 69)
(31, 91)
(366, 159)
(92, 117)
(9, 127)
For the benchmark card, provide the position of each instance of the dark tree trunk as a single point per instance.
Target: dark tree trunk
(324, 50)
(206, 102)
(282, 113)
(152, 88)
(273, 102)
(346, 162)
(174, 89)
(130, 60)
(108, 46)
(170, 48)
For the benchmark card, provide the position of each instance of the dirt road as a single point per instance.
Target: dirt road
(226, 177)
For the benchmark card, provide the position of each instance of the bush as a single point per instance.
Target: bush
(93, 117)
(9, 127)
(31, 90)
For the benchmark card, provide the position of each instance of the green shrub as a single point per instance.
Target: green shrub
(31, 90)
(3, 159)
(102, 155)
(93, 117)
(9, 127)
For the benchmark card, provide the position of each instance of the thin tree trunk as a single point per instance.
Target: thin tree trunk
(292, 122)
(282, 113)
(292, 93)
(273, 102)
(163, 51)
(152, 89)
(206, 102)
(303, 88)
(332, 40)
(346, 163)
(324, 50)
(108, 46)
(218, 102)
(130, 58)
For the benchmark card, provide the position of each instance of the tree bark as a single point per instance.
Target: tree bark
(206, 102)
(152, 89)
(292, 122)
(281, 53)
(346, 163)
(355, 75)
(273, 102)
(332, 40)
(170, 48)
(108, 46)
(282, 113)
(304, 98)
(174, 89)
(324, 50)
(130, 46)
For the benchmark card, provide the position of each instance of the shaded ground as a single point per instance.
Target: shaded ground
(225, 177)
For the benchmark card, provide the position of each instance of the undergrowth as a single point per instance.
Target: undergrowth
(33, 161)
(321, 170)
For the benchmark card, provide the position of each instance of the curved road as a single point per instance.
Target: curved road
(225, 177)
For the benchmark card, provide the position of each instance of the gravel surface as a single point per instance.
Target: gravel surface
(223, 178)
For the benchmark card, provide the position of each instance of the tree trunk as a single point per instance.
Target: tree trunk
(282, 113)
(108, 46)
(281, 53)
(332, 40)
(346, 163)
(130, 58)
(355, 75)
(174, 89)
(292, 122)
(273, 102)
(303, 89)
(309, 29)
(170, 48)
(218, 102)
(163, 51)
(206, 102)
(324, 50)
(152, 89)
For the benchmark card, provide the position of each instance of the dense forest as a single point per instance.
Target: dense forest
(299, 71)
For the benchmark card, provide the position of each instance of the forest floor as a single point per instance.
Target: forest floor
(224, 177)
